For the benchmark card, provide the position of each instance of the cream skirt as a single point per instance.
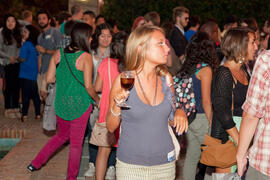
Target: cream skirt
(126, 171)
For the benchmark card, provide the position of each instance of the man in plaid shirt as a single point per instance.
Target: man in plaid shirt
(256, 122)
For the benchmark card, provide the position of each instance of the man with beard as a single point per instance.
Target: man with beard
(48, 42)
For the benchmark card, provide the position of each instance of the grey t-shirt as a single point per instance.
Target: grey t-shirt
(145, 138)
(51, 39)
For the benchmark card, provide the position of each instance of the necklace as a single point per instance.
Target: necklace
(144, 95)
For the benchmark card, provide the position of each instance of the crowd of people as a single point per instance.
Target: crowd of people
(86, 57)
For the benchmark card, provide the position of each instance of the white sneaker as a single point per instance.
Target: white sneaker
(110, 174)
(90, 171)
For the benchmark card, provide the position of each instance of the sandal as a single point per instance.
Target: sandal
(24, 118)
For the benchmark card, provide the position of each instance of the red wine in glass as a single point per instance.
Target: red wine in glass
(127, 81)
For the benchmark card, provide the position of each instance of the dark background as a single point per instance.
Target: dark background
(16, 7)
(217, 9)
(125, 11)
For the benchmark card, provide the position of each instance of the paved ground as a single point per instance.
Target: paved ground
(13, 165)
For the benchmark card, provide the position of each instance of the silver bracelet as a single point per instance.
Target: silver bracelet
(114, 114)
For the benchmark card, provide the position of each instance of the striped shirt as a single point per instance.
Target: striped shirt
(257, 104)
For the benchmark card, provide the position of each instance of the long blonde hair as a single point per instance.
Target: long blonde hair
(137, 46)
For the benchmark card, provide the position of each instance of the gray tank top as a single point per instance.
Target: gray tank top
(145, 138)
(96, 63)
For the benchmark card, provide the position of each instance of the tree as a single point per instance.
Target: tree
(126, 11)
(16, 7)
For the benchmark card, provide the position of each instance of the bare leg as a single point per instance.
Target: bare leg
(101, 162)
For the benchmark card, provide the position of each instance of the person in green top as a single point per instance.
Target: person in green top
(72, 69)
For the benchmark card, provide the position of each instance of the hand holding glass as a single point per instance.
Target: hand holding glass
(127, 81)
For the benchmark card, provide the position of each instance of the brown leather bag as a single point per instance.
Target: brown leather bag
(101, 136)
(216, 154)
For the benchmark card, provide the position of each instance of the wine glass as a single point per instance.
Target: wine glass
(127, 81)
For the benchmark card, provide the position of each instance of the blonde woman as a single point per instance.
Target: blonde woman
(145, 149)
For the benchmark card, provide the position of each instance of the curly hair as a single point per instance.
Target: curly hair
(8, 34)
(200, 50)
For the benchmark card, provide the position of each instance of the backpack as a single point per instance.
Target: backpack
(184, 93)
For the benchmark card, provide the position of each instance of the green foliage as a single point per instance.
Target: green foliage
(16, 7)
(126, 11)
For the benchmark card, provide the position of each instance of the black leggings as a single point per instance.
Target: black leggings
(30, 91)
(12, 86)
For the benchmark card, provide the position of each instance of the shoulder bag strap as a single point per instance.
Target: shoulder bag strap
(232, 101)
(71, 70)
(109, 71)
(234, 84)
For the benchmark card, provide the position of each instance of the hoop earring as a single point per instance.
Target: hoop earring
(241, 59)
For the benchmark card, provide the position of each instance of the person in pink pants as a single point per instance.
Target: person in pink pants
(74, 98)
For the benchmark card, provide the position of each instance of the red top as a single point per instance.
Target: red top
(104, 101)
